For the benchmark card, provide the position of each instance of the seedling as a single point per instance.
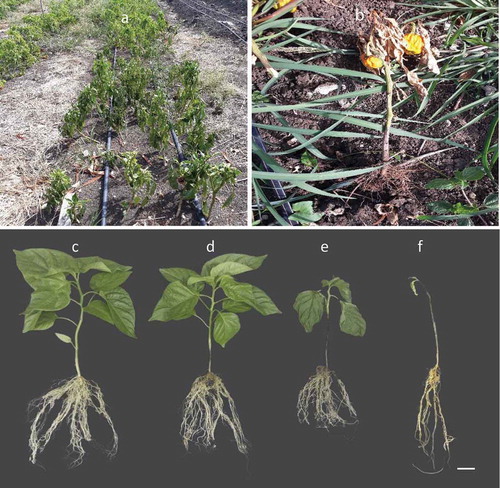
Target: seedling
(56, 279)
(430, 413)
(76, 209)
(139, 179)
(209, 401)
(324, 398)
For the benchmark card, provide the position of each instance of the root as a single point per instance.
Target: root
(319, 399)
(430, 415)
(206, 404)
(77, 395)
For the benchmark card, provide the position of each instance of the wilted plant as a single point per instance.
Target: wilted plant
(430, 415)
(59, 185)
(386, 42)
(324, 399)
(139, 179)
(76, 208)
(56, 280)
(209, 401)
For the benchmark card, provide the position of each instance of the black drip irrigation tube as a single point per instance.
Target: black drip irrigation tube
(105, 181)
(275, 187)
(195, 202)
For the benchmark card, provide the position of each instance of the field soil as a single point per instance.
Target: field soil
(402, 192)
(32, 108)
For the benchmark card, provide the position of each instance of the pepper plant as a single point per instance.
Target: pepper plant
(216, 299)
(325, 396)
(57, 282)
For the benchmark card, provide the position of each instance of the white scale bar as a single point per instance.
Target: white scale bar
(466, 469)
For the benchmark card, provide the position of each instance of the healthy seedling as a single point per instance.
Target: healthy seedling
(324, 398)
(56, 279)
(430, 413)
(217, 309)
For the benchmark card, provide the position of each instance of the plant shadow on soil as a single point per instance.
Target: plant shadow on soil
(404, 188)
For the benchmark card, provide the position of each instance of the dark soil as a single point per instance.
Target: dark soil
(403, 188)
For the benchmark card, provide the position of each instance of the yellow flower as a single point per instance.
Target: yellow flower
(282, 3)
(415, 44)
(371, 61)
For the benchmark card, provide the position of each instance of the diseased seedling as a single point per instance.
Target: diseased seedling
(324, 399)
(430, 417)
(387, 42)
(59, 185)
(209, 401)
(56, 279)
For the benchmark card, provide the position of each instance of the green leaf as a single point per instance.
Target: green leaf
(64, 338)
(229, 268)
(351, 320)
(113, 266)
(310, 305)
(413, 287)
(307, 159)
(342, 286)
(491, 201)
(51, 294)
(108, 281)
(236, 307)
(251, 262)
(37, 320)
(473, 173)
(177, 302)
(99, 309)
(178, 274)
(88, 263)
(198, 282)
(249, 294)
(227, 325)
(304, 212)
(440, 207)
(37, 264)
(121, 310)
(442, 184)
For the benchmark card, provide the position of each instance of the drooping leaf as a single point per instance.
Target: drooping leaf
(252, 262)
(351, 320)
(177, 302)
(249, 294)
(38, 320)
(310, 305)
(64, 338)
(121, 310)
(227, 325)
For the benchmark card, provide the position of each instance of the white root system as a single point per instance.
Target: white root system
(77, 395)
(318, 400)
(207, 403)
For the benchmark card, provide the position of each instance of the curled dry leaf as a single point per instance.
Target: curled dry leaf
(387, 42)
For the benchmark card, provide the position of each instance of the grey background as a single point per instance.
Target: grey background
(144, 381)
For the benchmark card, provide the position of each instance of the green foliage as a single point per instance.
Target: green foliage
(307, 159)
(145, 30)
(304, 212)
(311, 305)
(55, 278)
(8, 5)
(59, 185)
(127, 85)
(185, 292)
(461, 179)
(139, 179)
(198, 176)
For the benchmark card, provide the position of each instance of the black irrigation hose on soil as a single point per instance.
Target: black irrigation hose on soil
(195, 202)
(275, 187)
(105, 180)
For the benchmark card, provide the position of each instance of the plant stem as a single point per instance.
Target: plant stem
(433, 321)
(388, 121)
(210, 323)
(327, 326)
(78, 326)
